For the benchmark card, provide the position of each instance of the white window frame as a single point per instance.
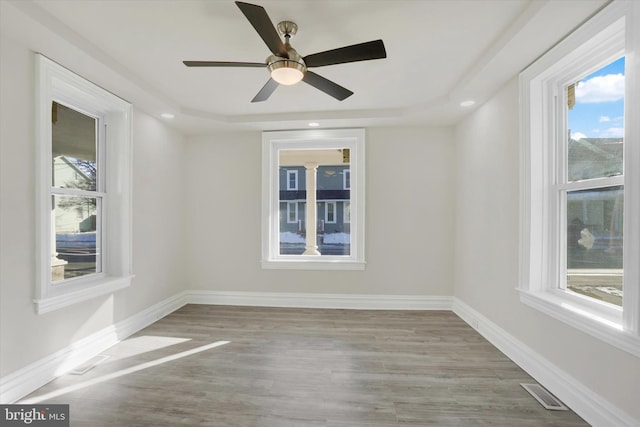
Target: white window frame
(326, 212)
(346, 178)
(56, 83)
(295, 180)
(614, 31)
(322, 139)
(292, 207)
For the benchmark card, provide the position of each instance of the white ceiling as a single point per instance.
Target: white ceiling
(439, 53)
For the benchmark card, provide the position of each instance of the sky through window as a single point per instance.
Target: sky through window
(599, 108)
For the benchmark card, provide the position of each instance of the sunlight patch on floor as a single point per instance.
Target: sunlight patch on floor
(138, 345)
(123, 372)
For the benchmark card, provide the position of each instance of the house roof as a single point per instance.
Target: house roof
(439, 53)
(595, 157)
(72, 163)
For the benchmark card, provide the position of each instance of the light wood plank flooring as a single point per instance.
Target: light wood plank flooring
(303, 367)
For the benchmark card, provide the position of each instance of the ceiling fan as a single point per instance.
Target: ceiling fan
(286, 66)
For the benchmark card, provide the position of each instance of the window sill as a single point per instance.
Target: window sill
(312, 264)
(565, 310)
(90, 289)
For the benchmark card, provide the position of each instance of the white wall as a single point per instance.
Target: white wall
(158, 226)
(409, 209)
(486, 256)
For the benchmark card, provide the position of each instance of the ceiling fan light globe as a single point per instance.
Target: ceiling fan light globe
(286, 75)
(286, 71)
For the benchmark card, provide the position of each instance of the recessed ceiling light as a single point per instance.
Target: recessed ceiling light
(314, 124)
(167, 115)
(467, 103)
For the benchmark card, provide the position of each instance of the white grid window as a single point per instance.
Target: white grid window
(292, 212)
(310, 150)
(581, 192)
(83, 187)
(292, 180)
(346, 215)
(330, 212)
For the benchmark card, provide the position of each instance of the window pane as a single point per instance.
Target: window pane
(292, 179)
(596, 124)
(594, 243)
(333, 234)
(347, 212)
(330, 212)
(73, 148)
(75, 228)
(292, 212)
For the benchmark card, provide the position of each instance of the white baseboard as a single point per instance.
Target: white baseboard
(312, 300)
(28, 379)
(24, 381)
(596, 410)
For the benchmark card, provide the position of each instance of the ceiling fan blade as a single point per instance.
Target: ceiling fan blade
(266, 91)
(357, 52)
(223, 64)
(258, 17)
(327, 86)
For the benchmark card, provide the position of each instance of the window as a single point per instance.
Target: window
(330, 212)
(319, 239)
(346, 179)
(292, 212)
(292, 180)
(346, 215)
(580, 204)
(83, 189)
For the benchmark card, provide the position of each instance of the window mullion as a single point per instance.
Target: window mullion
(560, 279)
(631, 260)
(561, 153)
(100, 250)
(76, 192)
(587, 184)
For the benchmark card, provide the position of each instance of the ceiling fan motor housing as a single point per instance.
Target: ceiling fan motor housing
(287, 28)
(288, 70)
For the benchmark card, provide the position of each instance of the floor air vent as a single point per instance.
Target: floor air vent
(546, 399)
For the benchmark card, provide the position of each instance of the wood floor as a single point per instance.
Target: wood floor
(288, 367)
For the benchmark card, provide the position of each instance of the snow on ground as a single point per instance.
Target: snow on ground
(333, 238)
(289, 237)
(337, 238)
